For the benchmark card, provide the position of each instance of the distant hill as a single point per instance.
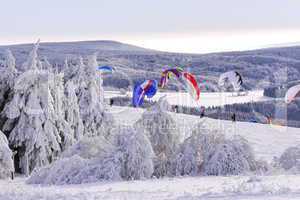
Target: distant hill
(57, 51)
(260, 68)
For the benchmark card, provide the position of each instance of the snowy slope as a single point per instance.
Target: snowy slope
(206, 99)
(267, 140)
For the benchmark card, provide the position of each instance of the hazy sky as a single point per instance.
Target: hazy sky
(173, 25)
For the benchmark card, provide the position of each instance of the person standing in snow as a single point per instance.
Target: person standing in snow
(233, 117)
(111, 102)
(202, 111)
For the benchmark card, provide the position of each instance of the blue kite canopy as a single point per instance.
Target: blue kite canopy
(148, 88)
(105, 69)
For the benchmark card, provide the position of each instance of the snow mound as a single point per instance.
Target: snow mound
(127, 157)
(290, 159)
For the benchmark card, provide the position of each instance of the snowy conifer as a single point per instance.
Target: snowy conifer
(36, 135)
(7, 78)
(91, 104)
(6, 162)
(72, 112)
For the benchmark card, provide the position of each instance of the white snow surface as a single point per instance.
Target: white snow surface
(280, 187)
(267, 140)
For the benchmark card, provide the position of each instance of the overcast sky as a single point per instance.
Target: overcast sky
(173, 25)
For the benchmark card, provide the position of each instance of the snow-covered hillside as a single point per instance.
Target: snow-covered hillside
(267, 140)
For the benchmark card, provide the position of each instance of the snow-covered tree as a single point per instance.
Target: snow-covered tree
(91, 100)
(7, 78)
(128, 156)
(163, 133)
(196, 150)
(90, 148)
(290, 159)
(33, 62)
(37, 135)
(135, 153)
(6, 162)
(232, 157)
(72, 112)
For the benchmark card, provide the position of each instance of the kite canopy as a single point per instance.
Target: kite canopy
(166, 75)
(105, 69)
(232, 77)
(191, 85)
(187, 79)
(292, 94)
(148, 88)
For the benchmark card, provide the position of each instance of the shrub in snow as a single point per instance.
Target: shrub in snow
(290, 159)
(128, 156)
(89, 147)
(60, 172)
(163, 133)
(208, 152)
(195, 152)
(135, 153)
(6, 162)
(232, 157)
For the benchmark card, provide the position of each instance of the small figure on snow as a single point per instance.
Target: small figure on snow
(111, 102)
(233, 117)
(202, 111)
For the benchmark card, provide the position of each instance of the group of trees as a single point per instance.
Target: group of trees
(54, 123)
(44, 111)
(151, 148)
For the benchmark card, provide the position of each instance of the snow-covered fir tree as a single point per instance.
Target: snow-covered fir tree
(72, 112)
(6, 161)
(163, 133)
(37, 135)
(7, 78)
(91, 100)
